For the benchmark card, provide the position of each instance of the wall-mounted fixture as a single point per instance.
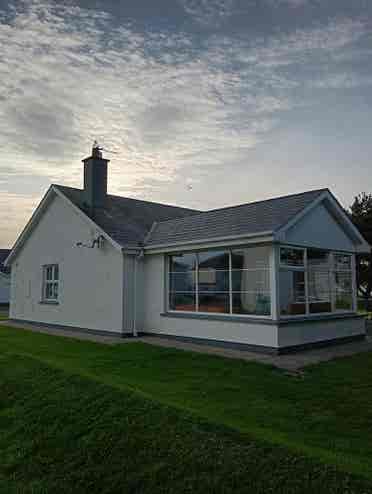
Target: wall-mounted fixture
(97, 242)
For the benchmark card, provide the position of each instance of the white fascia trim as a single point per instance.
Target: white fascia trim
(86, 218)
(209, 242)
(360, 245)
(28, 227)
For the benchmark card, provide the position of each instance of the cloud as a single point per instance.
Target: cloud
(208, 12)
(172, 109)
(287, 3)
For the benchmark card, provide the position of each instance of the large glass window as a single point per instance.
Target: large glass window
(314, 281)
(221, 281)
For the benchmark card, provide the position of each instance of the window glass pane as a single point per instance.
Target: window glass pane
(49, 273)
(342, 262)
(344, 301)
(48, 290)
(319, 291)
(213, 273)
(251, 280)
(182, 262)
(318, 259)
(214, 302)
(251, 303)
(292, 292)
(55, 290)
(182, 301)
(250, 258)
(56, 272)
(319, 280)
(213, 260)
(182, 281)
(212, 280)
(291, 257)
(343, 290)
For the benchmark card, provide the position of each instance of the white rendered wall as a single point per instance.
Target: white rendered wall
(154, 292)
(91, 280)
(4, 288)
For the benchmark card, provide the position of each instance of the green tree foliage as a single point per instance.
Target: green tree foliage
(361, 215)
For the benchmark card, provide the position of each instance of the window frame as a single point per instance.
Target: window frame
(196, 312)
(52, 281)
(332, 271)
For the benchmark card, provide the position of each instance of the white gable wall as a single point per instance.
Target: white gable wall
(91, 280)
(318, 228)
(4, 288)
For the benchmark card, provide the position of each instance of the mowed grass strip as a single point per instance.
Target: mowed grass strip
(60, 432)
(326, 414)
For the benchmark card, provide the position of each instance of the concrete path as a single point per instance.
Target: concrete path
(293, 362)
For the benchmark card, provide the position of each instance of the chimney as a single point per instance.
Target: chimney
(95, 178)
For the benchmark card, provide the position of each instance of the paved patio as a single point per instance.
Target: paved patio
(293, 362)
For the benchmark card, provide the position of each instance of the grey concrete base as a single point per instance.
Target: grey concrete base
(257, 348)
(69, 331)
(320, 344)
(217, 343)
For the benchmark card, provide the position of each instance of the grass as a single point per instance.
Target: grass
(61, 432)
(3, 317)
(324, 415)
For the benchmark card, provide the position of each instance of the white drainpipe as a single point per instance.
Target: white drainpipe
(135, 298)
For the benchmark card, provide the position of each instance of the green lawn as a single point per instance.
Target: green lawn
(62, 433)
(3, 316)
(326, 415)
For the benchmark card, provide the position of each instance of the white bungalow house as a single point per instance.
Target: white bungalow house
(273, 275)
(4, 279)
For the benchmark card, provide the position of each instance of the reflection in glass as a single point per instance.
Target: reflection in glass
(182, 301)
(291, 257)
(251, 303)
(214, 302)
(292, 292)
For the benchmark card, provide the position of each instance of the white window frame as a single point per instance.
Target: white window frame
(332, 271)
(222, 314)
(46, 282)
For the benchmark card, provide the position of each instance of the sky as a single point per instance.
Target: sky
(198, 103)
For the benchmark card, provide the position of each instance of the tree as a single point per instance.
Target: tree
(361, 215)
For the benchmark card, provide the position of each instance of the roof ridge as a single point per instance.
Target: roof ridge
(248, 203)
(134, 199)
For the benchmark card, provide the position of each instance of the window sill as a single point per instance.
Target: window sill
(219, 317)
(49, 302)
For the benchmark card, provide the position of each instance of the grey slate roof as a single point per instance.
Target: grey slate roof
(251, 218)
(125, 220)
(133, 223)
(4, 253)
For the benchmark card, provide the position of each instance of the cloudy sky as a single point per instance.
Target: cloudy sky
(202, 103)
